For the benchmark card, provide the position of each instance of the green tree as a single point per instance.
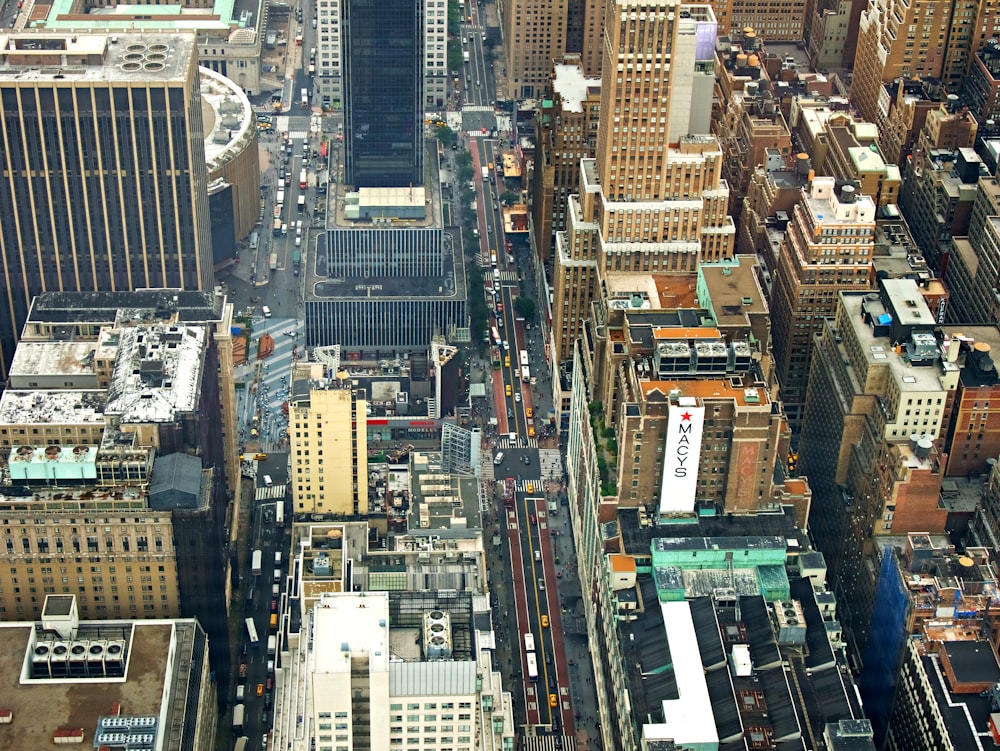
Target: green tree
(525, 307)
(445, 135)
(464, 173)
(509, 198)
(464, 159)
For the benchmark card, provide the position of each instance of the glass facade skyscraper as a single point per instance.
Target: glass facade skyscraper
(383, 93)
(103, 156)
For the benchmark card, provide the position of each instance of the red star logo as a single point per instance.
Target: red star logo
(686, 416)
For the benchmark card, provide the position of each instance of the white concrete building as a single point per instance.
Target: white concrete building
(357, 684)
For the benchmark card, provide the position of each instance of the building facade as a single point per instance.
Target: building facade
(973, 267)
(141, 210)
(383, 75)
(534, 34)
(565, 132)
(124, 502)
(328, 438)
(653, 200)
(827, 248)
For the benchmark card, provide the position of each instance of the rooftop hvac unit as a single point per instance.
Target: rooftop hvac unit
(40, 657)
(78, 651)
(115, 650)
(791, 623)
(437, 635)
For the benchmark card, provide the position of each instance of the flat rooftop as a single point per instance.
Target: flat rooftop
(352, 622)
(733, 289)
(94, 58)
(52, 407)
(573, 87)
(700, 388)
(111, 307)
(440, 500)
(79, 703)
(878, 351)
(75, 358)
(158, 372)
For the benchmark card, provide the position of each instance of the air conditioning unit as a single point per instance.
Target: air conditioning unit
(791, 623)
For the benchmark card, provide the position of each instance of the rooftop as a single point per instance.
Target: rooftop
(964, 715)
(706, 389)
(52, 407)
(96, 58)
(157, 373)
(140, 693)
(32, 358)
(351, 622)
(436, 678)
(111, 307)
(440, 500)
(573, 87)
(228, 118)
(733, 290)
(879, 352)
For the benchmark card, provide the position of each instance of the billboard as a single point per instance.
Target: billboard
(680, 459)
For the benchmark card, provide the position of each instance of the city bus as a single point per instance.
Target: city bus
(529, 642)
(532, 667)
(496, 334)
(279, 513)
(303, 182)
(523, 354)
(255, 562)
(252, 633)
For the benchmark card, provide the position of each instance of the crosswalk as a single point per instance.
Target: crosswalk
(517, 443)
(270, 493)
(508, 276)
(549, 743)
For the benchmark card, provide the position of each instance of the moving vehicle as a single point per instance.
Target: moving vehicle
(545, 621)
(272, 647)
(529, 642)
(238, 718)
(260, 686)
(302, 204)
(274, 621)
(252, 632)
(498, 459)
(507, 389)
(532, 667)
(273, 262)
(465, 55)
(553, 700)
(304, 101)
(525, 374)
(303, 179)
(267, 314)
(279, 513)
(255, 562)
(486, 171)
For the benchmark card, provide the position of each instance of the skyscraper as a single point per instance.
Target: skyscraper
(653, 200)
(383, 64)
(103, 156)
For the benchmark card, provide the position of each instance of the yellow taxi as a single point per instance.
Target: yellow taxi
(260, 457)
(260, 689)
(531, 487)
(531, 431)
(490, 166)
(553, 700)
(545, 621)
(508, 390)
(529, 412)
(506, 361)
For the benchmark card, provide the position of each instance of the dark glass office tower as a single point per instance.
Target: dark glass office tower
(102, 169)
(383, 93)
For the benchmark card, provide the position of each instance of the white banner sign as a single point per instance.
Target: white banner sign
(680, 460)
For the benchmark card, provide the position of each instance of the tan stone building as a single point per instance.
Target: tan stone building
(566, 133)
(777, 21)
(653, 200)
(748, 120)
(118, 448)
(327, 431)
(900, 39)
(534, 34)
(827, 248)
